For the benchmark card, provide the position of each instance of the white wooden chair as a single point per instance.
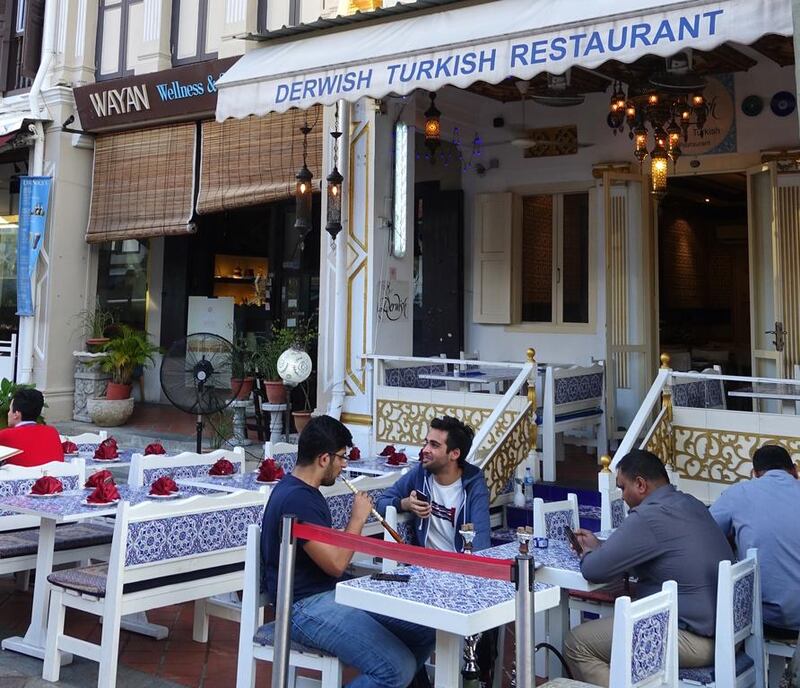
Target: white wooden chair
(8, 359)
(256, 638)
(574, 398)
(738, 621)
(613, 509)
(644, 649)
(86, 437)
(551, 519)
(145, 469)
(162, 554)
(777, 652)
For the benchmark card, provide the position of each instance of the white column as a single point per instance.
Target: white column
(154, 51)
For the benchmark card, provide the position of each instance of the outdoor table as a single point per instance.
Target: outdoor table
(66, 508)
(787, 394)
(375, 465)
(120, 466)
(483, 376)
(455, 605)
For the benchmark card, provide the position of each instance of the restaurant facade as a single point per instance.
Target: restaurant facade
(494, 201)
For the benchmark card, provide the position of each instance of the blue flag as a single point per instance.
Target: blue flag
(34, 201)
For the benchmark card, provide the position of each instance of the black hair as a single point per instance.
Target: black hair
(771, 456)
(29, 402)
(640, 463)
(459, 435)
(322, 435)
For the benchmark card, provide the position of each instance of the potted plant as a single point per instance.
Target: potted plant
(7, 391)
(96, 324)
(302, 416)
(266, 363)
(241, 364)
(127, 350)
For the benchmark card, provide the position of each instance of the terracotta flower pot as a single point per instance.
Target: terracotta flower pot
(95, 345)
(275, 391)
(245, 389)
(301, 419)
(116, 391)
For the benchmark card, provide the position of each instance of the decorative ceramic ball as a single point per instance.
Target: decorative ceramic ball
(294, 366)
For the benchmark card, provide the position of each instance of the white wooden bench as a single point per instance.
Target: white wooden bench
(86, 437)
(574, 398)
(8, 358)
(145, 469)
(163, 553)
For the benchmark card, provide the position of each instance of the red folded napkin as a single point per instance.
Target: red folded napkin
(354, 455)
(163, 486)
(47, 485)
(103, 494)
(154, 448)
(107, 449)
(388, 450)
(269, 471)
(222, 467)
(398, 459)
(98, 478)
(69, 447)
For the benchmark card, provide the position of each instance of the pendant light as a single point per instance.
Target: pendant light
(335, 179)
(302, 194)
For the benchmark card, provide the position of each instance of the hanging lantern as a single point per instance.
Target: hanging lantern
(658, 170)
(334, 224)
(640, 140)
(433, 127)
(674, 138)
(334, 179)
(302, 193)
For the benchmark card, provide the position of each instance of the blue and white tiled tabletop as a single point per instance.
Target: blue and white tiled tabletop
(237, 481)
(86, 452)
(451, 602)
(70, 506)
(375, 465)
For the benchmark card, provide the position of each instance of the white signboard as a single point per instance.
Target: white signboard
(211, 314)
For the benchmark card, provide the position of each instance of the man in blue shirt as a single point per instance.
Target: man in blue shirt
(388, 652)
(760, 513)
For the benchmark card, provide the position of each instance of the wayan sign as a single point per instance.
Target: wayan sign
(489, 42)
(182, 93)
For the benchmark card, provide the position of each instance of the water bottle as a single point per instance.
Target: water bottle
(528, 487)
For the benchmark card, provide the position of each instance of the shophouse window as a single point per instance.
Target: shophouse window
(119, 31)
(21, 23)
(555, 258)
(122, 280)
(273, 14)
(196, 30)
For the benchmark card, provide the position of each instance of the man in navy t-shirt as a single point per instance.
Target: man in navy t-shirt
(388, 652)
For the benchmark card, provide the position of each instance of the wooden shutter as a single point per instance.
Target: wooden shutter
(246, 162)
(32, 38)
(5, 41)
(497, 218)
(143, 184)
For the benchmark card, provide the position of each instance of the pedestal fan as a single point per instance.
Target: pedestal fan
(196, 376)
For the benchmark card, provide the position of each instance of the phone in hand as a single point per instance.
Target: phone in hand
(422, 497)
(573, 540)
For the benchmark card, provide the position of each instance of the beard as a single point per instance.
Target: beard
(330, 475)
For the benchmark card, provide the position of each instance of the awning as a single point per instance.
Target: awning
(486, 42)
(143, 184)
(253, 161)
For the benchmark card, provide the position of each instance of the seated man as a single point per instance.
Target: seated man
(668, 535)
(443, 491)
(388, 652)
(760, 513)
(39, 443)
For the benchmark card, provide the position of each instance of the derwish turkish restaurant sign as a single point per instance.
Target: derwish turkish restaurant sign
(187, 92)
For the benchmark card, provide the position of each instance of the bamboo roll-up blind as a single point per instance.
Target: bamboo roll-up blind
(246, 162)
(143, 184)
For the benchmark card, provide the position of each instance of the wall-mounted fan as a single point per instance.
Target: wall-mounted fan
(196, 376)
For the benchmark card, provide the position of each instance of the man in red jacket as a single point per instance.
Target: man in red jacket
(39, 443)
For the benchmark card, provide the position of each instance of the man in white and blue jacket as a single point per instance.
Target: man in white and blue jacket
(443, 491)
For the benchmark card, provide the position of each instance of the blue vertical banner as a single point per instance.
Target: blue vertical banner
(34, 201)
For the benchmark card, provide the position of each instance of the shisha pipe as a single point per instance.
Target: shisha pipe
(470, 672)
(375, 513)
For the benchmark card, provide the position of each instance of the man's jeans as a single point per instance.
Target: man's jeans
(388, 652)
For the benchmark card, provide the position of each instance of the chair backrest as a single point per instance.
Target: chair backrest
(551, 519)
(144, 470)
(644, 649)
(574, 389)
(92, 438)
(273, 448)
(8, 358)
(613, 509)
(340, 498)
(739, 619)
(715, 389)
(17, 480)
(700, 392)
(153, 540)
(402, 374)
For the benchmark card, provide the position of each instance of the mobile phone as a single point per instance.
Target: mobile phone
(396, 577)
(573, 540)
(422, 497)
